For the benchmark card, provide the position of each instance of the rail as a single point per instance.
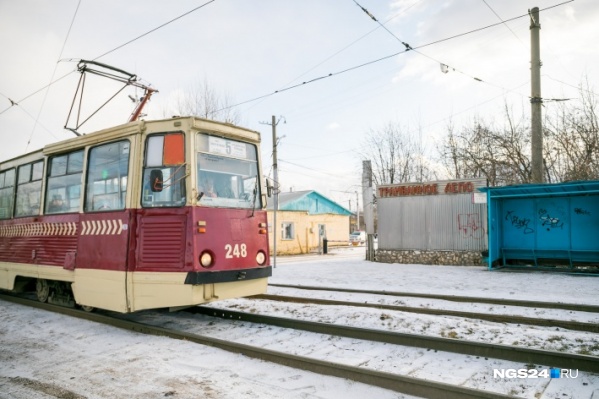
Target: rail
(407, 385)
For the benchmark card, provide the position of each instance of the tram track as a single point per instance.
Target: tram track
(464, 347)
(453, 298)
(408, 385)
(497, 318)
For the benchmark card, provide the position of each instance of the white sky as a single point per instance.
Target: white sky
(103, 362)
(250, 49)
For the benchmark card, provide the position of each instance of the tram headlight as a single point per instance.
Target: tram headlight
(260, 258)
(206, 259)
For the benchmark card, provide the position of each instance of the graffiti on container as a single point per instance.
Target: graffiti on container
(519, 222)
(549, 221)
(470, 226)
(580, 211)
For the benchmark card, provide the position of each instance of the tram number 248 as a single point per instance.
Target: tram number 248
(236, 251)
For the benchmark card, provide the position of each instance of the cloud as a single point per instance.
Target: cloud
(333, 126)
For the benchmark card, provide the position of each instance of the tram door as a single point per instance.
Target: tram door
(102, 254)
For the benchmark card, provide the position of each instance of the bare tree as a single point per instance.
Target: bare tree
(396, 157)
(499, 155)
(502, 155)
(573, 140)
(203, 100)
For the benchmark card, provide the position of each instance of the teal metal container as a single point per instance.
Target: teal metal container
(553, 226)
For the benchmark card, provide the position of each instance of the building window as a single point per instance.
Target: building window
(287, 231)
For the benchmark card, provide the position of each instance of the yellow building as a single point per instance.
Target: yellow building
(304, 218)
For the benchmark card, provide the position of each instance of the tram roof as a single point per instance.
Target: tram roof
(117, 131)
(582, 187)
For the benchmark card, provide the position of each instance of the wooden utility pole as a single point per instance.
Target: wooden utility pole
(536, 101)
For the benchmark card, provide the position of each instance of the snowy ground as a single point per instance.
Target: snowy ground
(44, 355)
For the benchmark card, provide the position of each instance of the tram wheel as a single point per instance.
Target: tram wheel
(42, 290)
(88, 309)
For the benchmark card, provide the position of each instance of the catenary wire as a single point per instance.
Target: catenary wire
(502, 21)
(51, 78)
(408, 47)
(13, 103)
(348, 45)
(411, 48)
(155, 29)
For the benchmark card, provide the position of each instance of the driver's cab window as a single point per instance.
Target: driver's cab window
(164, 171)
(227, 173)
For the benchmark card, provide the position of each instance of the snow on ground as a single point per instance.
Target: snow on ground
(44, 355)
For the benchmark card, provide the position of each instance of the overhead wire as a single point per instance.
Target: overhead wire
(312, 169)
(444, 66)
(52, 77)
(155, 29)
(407, 49)
(349, 45)
(490, 26)
(502, 21)
(13, 103)
(18, 102)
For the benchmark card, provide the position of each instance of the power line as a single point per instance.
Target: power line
(353, 42)
(502, 21)
(575, 87)
(106, 53)
(13, 103)
(155, 29)
(52, 77)
(444, 67)
(408, 48)
(312, 169)
(325, 155)
(490, 26)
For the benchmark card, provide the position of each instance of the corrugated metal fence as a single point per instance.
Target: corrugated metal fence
(437, 216)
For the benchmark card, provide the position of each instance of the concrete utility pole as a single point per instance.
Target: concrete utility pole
(275, 189)
(536, 101)
(368, 209)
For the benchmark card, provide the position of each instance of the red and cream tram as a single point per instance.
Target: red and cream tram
(149, 214)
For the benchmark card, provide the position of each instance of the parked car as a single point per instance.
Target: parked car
(357, 238)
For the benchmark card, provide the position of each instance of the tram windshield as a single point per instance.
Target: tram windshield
(227, 173)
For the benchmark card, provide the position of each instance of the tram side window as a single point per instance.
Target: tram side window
(29, 189)
(7, 193)
(164, 171)
(107, 173)
(63, 191)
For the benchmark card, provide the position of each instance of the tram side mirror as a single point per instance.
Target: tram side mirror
(268, 188)
(156, 180)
